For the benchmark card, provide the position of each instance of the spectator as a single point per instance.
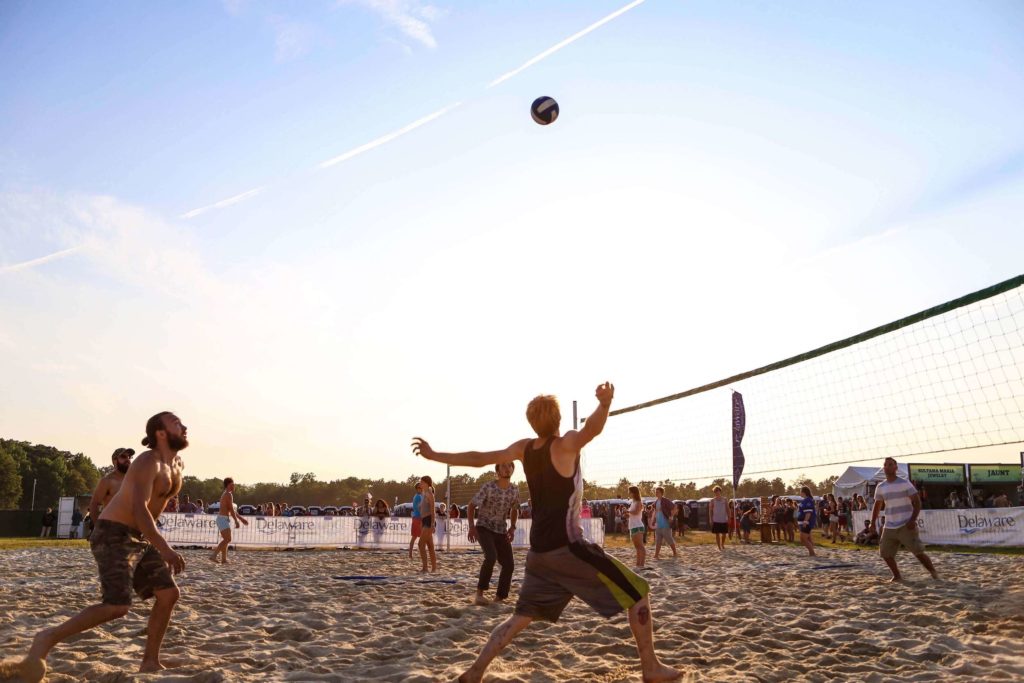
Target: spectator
(200, 506)
(807, 520)
(1001, 500)
(682, 518)
(635, 516)
(453, 513)
(868, 535)
(746, 520)
(718, 510)
(49, 521)
(663, 514)
(585, 512)
(76, 521)
(381, 510)
(188, 507)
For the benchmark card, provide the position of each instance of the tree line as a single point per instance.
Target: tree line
(59, 473)
(54, 473)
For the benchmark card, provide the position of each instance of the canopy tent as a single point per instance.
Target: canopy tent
(860, 479)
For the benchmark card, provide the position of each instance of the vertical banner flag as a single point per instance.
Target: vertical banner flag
(739, 425)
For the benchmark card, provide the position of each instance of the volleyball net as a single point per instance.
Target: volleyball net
(944, 380)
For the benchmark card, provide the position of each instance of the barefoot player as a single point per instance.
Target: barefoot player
(561, 564)
(227, 502)
(129, 550)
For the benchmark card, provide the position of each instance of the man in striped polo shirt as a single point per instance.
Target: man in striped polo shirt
(902, 506)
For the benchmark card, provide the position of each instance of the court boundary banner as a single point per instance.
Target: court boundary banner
(978, 526)
(181, 529)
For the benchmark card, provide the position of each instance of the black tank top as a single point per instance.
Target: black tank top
(555, 500)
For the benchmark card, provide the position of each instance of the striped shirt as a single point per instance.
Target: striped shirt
(896, 496)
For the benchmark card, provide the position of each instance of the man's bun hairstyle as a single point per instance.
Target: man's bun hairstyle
(153, 425)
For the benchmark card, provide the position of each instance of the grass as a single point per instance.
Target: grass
(30, 542)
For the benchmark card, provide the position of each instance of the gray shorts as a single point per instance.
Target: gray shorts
(582, 570)
(664, 536)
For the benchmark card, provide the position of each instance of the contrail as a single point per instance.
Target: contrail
(571, 39)
(39, 261)
(387, 138)
(222, 203)
(426, 119)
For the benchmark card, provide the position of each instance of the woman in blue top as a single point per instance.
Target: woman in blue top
(807, 516)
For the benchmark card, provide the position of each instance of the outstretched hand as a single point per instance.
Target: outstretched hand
(421, 448)
(605, 393)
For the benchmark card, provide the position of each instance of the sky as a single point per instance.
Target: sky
(316, 230)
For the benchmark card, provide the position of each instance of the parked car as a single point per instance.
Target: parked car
(314, 511)
(330, 511)
(346, 511)
(247, 510)
(295, 511)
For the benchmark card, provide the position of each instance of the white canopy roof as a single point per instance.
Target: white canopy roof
(855, 479)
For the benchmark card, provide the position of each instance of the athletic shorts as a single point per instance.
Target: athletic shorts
(806, 527)
(719, 527)
(427, 522)
(126, 562)
(582, 570)
(892, 539)
(417, 527)
(223, 523)
(663, 534)
(636, 530)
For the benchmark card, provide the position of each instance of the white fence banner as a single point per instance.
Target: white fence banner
(980, 526)
(334, 532)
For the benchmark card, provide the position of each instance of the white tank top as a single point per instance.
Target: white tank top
(636, 518)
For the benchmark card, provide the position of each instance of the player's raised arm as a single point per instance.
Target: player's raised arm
(470, 458)
(594, 425)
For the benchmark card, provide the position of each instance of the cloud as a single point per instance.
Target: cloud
(387, 138)
(568, 41)
(222, 203)
(410, 17)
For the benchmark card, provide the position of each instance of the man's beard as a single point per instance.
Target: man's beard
(176, 443)
(123, 468)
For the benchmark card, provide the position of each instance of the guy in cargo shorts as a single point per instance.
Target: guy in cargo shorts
(902, 505)
(130, 553)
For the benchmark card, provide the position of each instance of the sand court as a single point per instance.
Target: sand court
(754, 613)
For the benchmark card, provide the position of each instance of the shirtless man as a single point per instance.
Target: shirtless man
(428, 522)
(561, 564)
(227, 502)
(108, 485)
(129, 550)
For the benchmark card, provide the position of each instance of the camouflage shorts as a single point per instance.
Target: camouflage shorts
(126, 562)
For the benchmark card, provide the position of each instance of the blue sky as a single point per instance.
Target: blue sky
(727, 184)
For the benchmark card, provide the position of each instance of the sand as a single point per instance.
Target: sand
(754, 613)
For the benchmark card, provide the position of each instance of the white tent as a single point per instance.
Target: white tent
(859, 479)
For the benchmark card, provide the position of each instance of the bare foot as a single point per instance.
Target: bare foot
(662, 673)
(213, 558)
(32, 670)
(481, 600)
(896, 579)
(150, 667)
(470, 677)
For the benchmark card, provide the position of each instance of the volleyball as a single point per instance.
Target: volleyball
(544, 110)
